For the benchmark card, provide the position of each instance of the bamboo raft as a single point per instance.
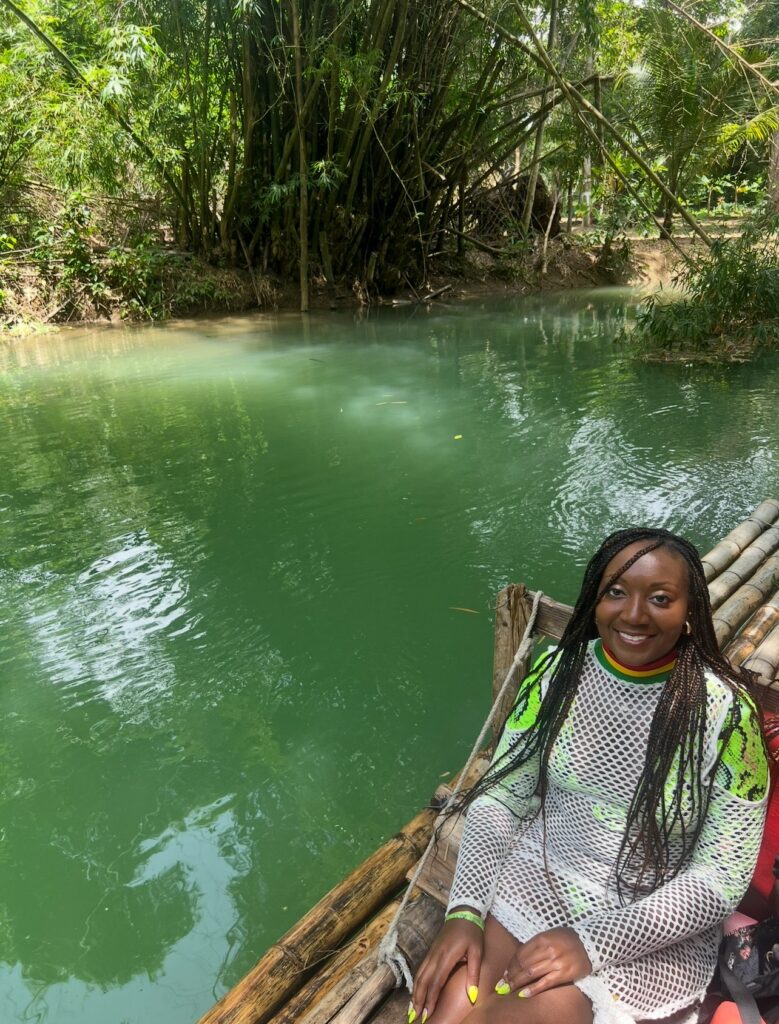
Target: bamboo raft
(325, 970)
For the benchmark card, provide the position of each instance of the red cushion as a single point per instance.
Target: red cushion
(728, 1013)
(763, 878)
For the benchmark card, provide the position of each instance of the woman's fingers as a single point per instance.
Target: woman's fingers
(428, 985)
(472, 956)
(550, 979)
(522, 973)
(554, 957)
(420, 996)
(472, 971)
(457, 942)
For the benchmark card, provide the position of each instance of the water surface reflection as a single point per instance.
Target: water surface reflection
(229, 558)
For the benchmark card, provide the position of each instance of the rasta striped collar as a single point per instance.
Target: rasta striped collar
(655, 672)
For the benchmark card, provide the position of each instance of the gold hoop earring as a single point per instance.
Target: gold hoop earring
(687, 628)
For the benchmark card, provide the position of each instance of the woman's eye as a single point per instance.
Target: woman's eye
(661, 599)
(615, 592)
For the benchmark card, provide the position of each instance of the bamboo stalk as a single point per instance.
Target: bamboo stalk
(393, 1009)
(748, 562)
(737, 609)
(765, 662)
(755, 632)
(331, 1004)
(282, 969)
(339, 971)
(527, 211)
(303, 160)
(367, 997)
(417, 928)
(581, 104)
(731, 546)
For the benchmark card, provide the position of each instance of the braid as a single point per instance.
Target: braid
(672, 792)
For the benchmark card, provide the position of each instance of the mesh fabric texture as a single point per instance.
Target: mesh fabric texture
(656, 954)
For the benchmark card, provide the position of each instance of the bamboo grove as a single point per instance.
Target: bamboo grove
(359, 140)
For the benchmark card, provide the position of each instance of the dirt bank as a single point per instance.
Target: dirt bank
(570, 263)
(31, 300)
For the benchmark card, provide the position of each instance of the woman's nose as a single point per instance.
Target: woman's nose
(634, 610)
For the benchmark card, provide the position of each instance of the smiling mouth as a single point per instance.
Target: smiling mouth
(632, 638)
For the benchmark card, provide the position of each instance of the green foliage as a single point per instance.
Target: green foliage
(756, 129)
(730, 302)
(142, 282)
(402, 113)
(688, 102)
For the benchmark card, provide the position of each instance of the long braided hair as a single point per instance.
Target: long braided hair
(676, 745)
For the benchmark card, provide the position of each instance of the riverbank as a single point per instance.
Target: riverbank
(131, 286)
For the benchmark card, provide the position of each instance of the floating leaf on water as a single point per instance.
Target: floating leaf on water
(455, 608)
(458, 437)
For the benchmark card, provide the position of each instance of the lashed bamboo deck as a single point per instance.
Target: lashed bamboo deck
(325, 970)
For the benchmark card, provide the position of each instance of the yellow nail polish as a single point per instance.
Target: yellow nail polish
(423, 1018)
(523, 993)
(503, 988)
(473, 993)
(412, 1013)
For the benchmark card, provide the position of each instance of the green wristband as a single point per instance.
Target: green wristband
(465, 915)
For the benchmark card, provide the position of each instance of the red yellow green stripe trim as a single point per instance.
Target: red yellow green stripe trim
(655, 672)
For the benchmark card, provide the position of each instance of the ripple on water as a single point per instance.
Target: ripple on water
(101, 635)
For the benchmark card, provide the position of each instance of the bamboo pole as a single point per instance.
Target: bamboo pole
(335, 1000)
(340, 971)
(393, 1009)
(417, 928)
(758, 628)
(738, 608)
(580, 104)
(282, 969)
(367, 997)
(740, 537)
(747, 563)
(765, 662)
(303, 168)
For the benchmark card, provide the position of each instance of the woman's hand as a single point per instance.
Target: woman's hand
(457, 941)
(551, 958)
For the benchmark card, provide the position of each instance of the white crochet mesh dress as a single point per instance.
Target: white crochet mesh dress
(656, 955)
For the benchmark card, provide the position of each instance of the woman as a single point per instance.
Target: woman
(620, 819)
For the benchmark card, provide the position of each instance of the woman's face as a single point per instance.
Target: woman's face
(641, 616)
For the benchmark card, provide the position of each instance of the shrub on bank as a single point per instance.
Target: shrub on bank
(730, 300)
(69, 273)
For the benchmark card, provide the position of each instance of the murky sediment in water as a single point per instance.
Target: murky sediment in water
(232, 558)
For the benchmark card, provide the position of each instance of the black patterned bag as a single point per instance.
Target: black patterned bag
(748, 971)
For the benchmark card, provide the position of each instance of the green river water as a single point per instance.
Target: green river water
(233, 562)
